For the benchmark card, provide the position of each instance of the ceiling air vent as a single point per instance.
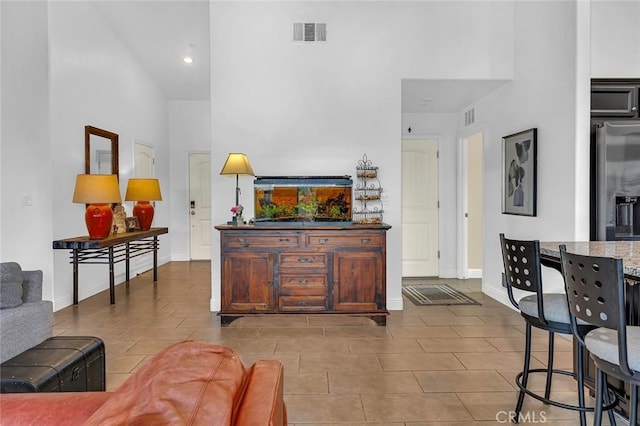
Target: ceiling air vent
(470, 117)
(309, 31)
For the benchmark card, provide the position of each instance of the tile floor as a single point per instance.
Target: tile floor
(429, 366)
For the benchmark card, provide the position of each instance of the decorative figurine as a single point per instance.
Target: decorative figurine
(119, 215)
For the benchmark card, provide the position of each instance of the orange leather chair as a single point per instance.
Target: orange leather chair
(187, 383)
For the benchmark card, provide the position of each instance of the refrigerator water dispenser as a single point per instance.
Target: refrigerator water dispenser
(627, 222)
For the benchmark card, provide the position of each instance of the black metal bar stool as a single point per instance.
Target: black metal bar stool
(546, 311)
(596, 294)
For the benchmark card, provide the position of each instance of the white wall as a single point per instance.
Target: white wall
(25, 170)
(189, 131)
(301, 109)
(615, 38)
(444, 128)
(541, 95)
(95, 80)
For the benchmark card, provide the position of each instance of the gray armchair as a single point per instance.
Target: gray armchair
(25, 319)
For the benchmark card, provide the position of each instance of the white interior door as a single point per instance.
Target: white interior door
(420, 208)
(200, 206)
(143, 161)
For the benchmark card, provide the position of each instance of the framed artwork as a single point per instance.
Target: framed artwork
(132, 223)
(519, 173)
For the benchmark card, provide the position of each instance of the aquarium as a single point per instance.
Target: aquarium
(295, 199)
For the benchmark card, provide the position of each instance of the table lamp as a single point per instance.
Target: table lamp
(98, 191)
(143, 190)
(236, 164)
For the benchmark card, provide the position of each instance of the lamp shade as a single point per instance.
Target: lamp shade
(237, 164)
(143, 190)
(98, 191)
(139, 189)
(92, 189)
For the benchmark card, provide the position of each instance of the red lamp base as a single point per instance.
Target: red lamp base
(143, 210)
(98, 219)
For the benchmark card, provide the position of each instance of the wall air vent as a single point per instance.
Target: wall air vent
(309, 31)
(470, 117)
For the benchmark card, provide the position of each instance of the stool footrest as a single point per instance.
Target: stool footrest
(557, 403)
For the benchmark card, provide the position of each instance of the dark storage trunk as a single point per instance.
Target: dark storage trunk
(59, 364)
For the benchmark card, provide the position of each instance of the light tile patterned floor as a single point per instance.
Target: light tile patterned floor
(430, 366)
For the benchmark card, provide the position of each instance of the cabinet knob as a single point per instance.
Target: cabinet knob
(242, 241)
(284, 240)
(302, 281)
(303, 303)
(269, 283)
(304, 260)
(365, 240)
(322, 240)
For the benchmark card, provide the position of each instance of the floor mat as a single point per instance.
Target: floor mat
(436, 294)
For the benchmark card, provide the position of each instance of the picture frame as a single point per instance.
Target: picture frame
(519, 173)
(132, 224)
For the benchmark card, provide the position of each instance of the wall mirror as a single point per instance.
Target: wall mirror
(100, 151)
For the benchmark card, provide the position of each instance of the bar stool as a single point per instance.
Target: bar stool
(546, 311)
(596, 294)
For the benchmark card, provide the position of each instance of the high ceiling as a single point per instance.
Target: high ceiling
(160, 32)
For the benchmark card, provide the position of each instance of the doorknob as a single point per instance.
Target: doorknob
(193, 213)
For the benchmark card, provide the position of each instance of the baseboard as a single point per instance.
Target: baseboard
(500, 296)
(474, 273)
(395, 304)
(214, 304)
(179, 258)
(448, 273)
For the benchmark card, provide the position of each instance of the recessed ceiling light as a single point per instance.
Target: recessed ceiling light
(188, 60)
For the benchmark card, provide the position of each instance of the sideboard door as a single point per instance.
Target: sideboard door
(357, 281)
(247, 282)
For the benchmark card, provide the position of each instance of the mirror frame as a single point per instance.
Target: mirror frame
(115, 164)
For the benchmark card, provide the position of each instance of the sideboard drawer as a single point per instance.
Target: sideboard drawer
(303, 285)
(303, 260)
(302, 303)
(232, 241)
(335, 240)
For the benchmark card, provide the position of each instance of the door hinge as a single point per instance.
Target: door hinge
(438, 203)
(438, 154)
(438, 254)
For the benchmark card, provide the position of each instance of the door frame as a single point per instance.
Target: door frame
(463, 205)
(438, 139)
(463, 220)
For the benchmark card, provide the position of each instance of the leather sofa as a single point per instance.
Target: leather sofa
(25, 319)
(189, 382)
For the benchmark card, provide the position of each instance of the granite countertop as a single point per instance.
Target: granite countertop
(628, 251)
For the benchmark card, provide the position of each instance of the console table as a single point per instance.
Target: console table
(111, 250)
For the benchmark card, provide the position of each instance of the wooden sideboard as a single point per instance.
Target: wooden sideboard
(303, 270)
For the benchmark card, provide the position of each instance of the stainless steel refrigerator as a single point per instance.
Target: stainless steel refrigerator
(617, 180)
